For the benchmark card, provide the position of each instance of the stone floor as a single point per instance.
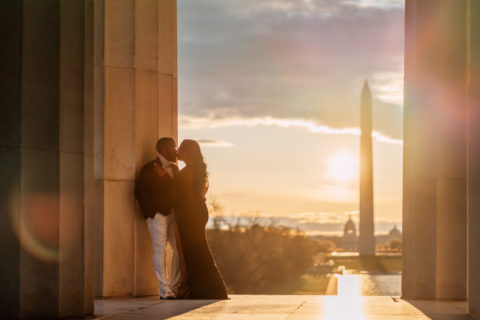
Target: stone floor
(285, 307)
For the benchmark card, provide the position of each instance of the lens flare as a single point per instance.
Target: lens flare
(35, 222)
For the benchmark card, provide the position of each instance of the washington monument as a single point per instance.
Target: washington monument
(366, 244)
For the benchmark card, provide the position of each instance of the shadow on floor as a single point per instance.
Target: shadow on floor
(124, 308)
(444, 310)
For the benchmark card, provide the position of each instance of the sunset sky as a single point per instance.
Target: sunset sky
(272, 90)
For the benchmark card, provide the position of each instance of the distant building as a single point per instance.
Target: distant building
(394, 233)
(349, 240)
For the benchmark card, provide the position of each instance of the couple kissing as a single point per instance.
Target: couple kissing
(173, 203)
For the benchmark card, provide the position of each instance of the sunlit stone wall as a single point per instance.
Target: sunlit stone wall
(135, 90)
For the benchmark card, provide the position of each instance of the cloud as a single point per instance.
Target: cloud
(317, 7)
(195, 123)
(388, 86)
(214, 143)
(291, 59)
(375, 3)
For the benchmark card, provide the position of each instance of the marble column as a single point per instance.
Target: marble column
(43, 250)
(414, 178)
(136, 65)
(155, 63)
(92, 190)
(419, 165)
(474, 161)
(88, 88)
(434, 204)
(366, 243)
(449, 96)
(11, 18)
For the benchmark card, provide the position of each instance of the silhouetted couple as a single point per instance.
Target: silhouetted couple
(173, 203)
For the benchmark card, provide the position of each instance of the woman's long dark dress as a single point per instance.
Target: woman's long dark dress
(204, 279)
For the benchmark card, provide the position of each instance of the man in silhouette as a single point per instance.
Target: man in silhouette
(155, 195)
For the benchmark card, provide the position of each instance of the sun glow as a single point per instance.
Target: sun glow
(343, 166)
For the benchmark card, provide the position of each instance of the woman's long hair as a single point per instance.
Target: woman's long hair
(195, 155)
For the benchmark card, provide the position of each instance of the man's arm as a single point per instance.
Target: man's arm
(143, 193)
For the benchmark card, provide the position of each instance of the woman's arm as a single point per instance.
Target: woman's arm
(159, 170)
(205, 189)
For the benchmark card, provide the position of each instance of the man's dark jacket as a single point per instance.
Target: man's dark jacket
(154, 193)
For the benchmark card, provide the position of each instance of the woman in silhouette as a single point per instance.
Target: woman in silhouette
(191, 184)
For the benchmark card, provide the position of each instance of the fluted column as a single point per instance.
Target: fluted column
(419, 164)
(155, 63)
(43, 249)
(474, 161)
(87, 88)
(449, 96)
(137, 67)
(434, 210)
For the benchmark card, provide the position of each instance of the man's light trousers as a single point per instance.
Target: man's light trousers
(162, 231)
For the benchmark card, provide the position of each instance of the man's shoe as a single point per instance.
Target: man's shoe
(168, 296)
